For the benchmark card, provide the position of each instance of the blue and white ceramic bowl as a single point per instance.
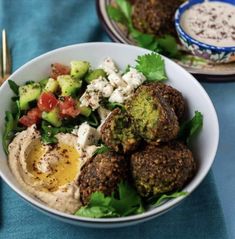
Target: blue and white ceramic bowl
(209, 52)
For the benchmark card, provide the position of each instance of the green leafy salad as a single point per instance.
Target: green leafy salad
(129, 128)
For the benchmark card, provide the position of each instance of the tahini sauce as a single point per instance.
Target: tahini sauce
(212, 23)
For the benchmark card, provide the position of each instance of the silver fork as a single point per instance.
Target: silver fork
(5, 61)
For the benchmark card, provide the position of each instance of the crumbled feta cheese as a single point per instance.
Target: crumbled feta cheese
(117, 96)
(87, 135)
(133, 78)
(116, 80)
(91, 99)
(109, 66)
(101, 85)
(90, 150)
(95, 91)
(120, 94)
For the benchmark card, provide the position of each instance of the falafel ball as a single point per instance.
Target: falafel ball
(118, 132)
(154, 119)
(162, 169)
(173, 97)
(102, 173)
(155, 16)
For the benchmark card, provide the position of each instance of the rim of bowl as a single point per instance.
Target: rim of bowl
(185, 6)
(139, 217)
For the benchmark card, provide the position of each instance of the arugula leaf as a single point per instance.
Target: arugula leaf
(11, 121)
(14, 87)
(8, 132)
(127, 203)
(191, 128)
(152, 66)
(102, 149)
(164, 197)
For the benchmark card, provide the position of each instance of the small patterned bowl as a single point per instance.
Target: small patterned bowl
(209, 52)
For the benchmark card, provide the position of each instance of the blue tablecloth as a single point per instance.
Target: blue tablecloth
(37, 26)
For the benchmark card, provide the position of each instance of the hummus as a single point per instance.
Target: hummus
(47, 172)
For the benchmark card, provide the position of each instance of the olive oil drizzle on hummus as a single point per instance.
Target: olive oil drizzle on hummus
(61, 164)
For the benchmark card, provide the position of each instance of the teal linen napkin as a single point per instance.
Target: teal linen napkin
(35, 27)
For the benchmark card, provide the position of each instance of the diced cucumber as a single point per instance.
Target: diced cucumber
(69, 86)
(52, 85)
(84, 110)
(94, 75)
(28, 93)
(79, 69)
(53, 117)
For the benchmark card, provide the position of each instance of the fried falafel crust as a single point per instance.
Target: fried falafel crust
(118, 132)
(154, 119)
(162, 169)
(173, 97)
(155, 16)
(102, 173)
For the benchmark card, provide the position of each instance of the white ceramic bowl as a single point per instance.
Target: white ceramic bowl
(204, 146)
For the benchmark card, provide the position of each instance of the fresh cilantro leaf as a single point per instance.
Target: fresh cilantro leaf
(128, 202)
(116, 14)
(152, 66)
(96, 212)
(126, 8)
(144, 40)
(168, 46)
(14, 87)
(98, 199)
(164, 197)
(102, 149)
(191, 128)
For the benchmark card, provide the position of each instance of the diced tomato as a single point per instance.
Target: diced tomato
(68, 107)
(47, 101)
(58, 69)
(33, 117)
